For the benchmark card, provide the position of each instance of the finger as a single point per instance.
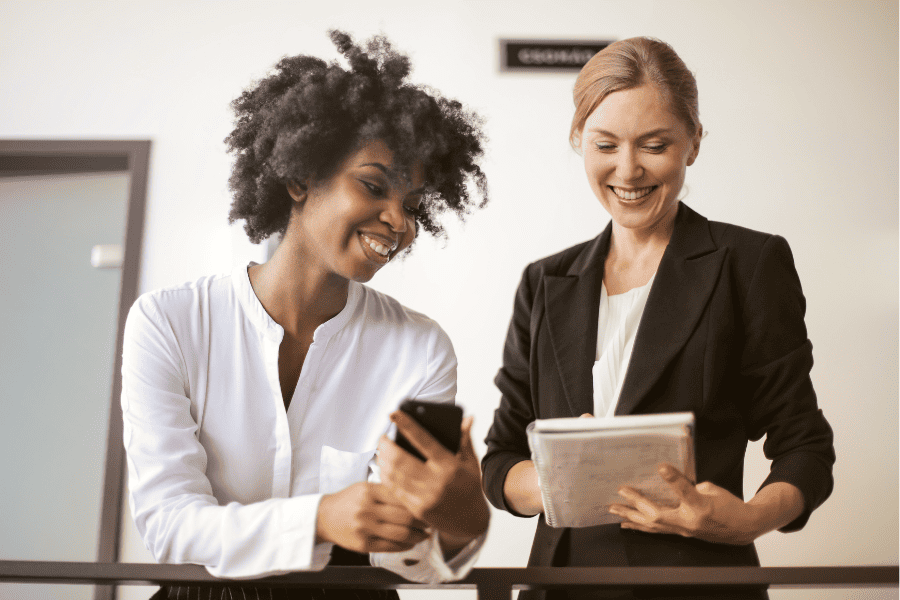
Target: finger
(635, 519)
(466, 449)
(630, 514)
(398, 514)
(394, 461)
(399, 533)
(681, 485)
(389, 495)
(586, 416)
(421, 440)
(377, 544)
(640, 502)
(648, 528)
(655, 527)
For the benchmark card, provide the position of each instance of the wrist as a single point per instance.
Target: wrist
(450, 544)
(522, 490)
(756, 521)
(322, 532)
(774, 506)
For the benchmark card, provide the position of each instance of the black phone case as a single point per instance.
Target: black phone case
(440, 420)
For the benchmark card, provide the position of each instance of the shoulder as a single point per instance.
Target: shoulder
(741, 239)
(181, 303)
(388, 319)
(560, 263)
(749, 248)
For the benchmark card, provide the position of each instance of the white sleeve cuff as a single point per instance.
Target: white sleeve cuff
(424, 563)
(292, 527)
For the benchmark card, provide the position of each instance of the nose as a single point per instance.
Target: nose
(628, 166)
(394, 215)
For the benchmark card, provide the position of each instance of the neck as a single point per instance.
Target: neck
(296, 294)
(632, 244)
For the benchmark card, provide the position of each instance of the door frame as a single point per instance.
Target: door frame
(63, 157)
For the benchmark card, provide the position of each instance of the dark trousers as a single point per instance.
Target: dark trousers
(605, 546)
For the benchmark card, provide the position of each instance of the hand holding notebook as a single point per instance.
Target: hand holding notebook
(582, 463)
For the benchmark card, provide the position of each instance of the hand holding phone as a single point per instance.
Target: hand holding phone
(444, 490)
(441, 420)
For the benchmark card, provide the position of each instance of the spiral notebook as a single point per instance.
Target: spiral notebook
(581, 463)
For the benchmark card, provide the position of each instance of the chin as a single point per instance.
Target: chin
(363, 275)
(643, 216)
(363, 278)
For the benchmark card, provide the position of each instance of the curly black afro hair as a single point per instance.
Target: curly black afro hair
(301, 121)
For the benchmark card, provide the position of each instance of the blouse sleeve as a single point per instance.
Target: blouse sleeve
(507, 443)
(425, 561)
(779, 399)
(171, 498)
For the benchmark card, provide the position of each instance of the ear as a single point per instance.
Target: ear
(576, 141)
(297, 190)
(696, 145)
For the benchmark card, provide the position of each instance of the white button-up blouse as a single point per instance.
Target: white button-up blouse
(219, 473)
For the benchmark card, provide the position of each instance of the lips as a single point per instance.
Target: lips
(630, 195)
(377, 247)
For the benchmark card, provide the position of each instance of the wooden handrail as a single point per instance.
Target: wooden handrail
(491, 583)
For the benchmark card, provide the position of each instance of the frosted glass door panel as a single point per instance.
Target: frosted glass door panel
(57, 339)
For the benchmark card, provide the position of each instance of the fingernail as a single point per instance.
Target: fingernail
(665, 471)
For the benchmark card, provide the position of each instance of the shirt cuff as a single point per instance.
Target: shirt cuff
(293, 547)
(463, 561)
(424, 562)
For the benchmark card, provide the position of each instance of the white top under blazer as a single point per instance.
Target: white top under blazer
(617, 327)
(219, 473)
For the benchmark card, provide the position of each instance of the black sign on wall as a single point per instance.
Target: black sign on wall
(547, 55)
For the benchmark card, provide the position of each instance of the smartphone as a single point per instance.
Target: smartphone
(441, 420)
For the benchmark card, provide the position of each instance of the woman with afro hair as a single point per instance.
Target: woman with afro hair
(256, 403)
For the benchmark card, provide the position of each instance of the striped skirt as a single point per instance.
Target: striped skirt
(234, 591)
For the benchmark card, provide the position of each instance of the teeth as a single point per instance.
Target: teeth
(633, 194)
(379, 248)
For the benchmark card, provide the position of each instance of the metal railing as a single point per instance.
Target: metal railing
(491, 583)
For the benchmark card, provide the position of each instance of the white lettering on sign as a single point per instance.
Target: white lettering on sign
(533, 56)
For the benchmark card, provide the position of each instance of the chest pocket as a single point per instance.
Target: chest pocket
(339, 469)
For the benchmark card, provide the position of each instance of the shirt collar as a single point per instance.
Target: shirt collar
(263, 322)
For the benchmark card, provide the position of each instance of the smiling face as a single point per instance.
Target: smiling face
(355, 221)
(636, 153)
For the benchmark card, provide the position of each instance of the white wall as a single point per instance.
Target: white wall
(799, 99)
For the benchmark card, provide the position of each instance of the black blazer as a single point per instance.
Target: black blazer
(722, 336)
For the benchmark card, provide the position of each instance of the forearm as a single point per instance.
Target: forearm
(522, 490)
(774, 506)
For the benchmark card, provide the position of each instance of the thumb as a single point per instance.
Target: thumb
(466, 450)
(680, 484)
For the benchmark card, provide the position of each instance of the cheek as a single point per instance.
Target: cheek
(594, 172)
(410, 235)
(672, 173)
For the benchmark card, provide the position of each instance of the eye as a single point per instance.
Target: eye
(604, 146)
(655, 148)
(413, 209)
(374, 189)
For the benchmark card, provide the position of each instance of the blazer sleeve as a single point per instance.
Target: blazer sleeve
(777, 391)
(507, 443)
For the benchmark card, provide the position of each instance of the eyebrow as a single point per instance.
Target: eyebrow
(392, 175)
(659, 131)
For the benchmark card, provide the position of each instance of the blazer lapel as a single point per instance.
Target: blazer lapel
(686, 277)
(572, 303)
